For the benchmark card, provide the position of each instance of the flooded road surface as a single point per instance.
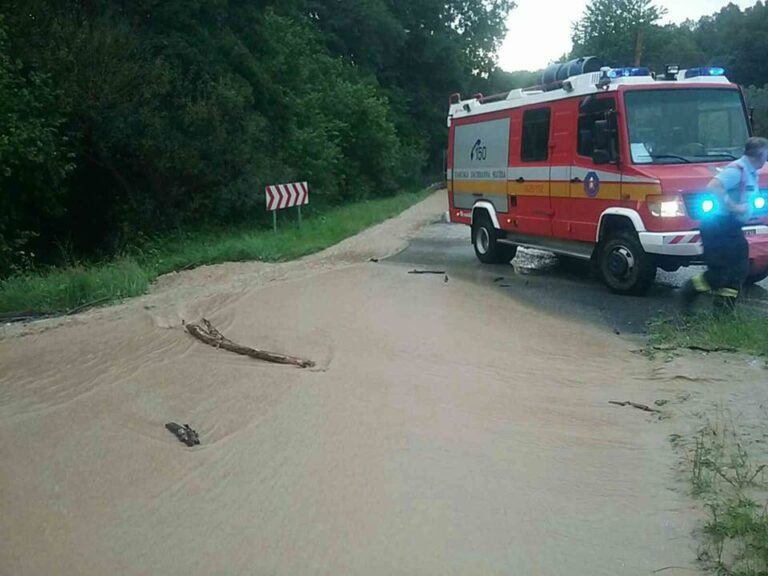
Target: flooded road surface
(565, 286)
(446, 429)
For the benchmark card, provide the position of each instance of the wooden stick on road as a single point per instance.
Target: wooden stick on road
(637, 405)
(206, 332)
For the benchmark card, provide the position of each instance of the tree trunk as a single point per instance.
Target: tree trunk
(638, 45)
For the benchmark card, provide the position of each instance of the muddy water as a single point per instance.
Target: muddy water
(446, 430)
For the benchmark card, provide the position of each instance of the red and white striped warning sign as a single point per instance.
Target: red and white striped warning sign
(286, 195)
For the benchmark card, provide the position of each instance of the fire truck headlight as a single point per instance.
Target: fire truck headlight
(665, 206)
(759, 202)
(707, 206)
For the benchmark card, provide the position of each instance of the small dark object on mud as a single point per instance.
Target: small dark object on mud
(642, 407)
(446, 278)
(617, 332)
(427, 272)
(184, 433)
(498, 279)
(373, 260)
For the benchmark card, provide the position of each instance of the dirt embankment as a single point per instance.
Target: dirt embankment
(446, 429)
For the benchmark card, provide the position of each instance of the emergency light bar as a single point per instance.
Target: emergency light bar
(705, 71)
(627, 72)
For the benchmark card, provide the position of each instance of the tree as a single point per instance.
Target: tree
(33, 158)
(757, 99)
(177, 113)
(419, 53)
(615, 30)
(734, 39)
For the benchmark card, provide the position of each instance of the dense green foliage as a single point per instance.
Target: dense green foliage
(123, 120)
(732, 38)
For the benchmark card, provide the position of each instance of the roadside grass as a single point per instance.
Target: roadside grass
(67, 290)
(735, 492)
(742, 331)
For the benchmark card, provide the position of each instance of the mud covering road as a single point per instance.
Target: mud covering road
(446, 429)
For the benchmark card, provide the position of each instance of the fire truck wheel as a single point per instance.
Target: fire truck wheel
(485, 241)
(624, 265)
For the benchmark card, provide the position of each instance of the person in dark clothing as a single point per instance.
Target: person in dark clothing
(726, 252)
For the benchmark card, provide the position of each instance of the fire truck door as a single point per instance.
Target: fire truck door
(529, 173)
(593, 188)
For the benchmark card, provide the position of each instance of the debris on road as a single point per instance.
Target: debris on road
(710, 348)
(206, 332)
(498, 279)
(695, 347)
(642, 407)
(373, 260)
(184, 433)
(446, 278)
(427, 272)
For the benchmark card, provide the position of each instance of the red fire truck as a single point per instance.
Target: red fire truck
(606, 164)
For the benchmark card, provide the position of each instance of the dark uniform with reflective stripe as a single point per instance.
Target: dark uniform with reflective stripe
(726, 251)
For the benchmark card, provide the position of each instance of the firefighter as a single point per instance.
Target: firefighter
(726, 252)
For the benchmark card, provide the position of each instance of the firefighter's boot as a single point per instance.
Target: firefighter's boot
(691, 290)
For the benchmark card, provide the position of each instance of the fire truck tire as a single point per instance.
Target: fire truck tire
(757, 277)
(623, 264)
(485, 241)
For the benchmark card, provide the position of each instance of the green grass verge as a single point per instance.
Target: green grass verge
(64, 290)
(741, 331)
(734, 490)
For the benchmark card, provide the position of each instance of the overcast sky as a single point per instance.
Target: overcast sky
(540, 30)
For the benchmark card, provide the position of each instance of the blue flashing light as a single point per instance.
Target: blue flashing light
(627, 72)
(704, 71)
(759, 202)
(707, 206)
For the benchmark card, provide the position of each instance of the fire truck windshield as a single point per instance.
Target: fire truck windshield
(677, 126)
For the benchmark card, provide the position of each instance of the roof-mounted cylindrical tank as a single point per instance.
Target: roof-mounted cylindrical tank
(564, 70)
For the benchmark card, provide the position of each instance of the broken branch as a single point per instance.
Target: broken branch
(642, 407)
(206, 332)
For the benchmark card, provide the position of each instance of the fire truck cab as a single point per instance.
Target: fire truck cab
(606, 164)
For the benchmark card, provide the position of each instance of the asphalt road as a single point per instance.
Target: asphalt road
(561, 285)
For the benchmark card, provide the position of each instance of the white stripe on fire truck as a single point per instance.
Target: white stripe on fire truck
(548, 173)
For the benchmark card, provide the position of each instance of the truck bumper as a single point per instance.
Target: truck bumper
(687, 245)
